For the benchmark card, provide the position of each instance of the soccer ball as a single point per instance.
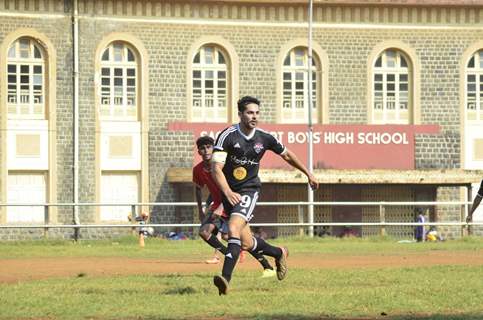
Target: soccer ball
(148, 231)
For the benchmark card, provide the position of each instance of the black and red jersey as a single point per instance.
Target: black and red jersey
(244, 154)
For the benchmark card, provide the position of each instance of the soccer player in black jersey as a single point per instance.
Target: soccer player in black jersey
(235, 165)
(476, 203)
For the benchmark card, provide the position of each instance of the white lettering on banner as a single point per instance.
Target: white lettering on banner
(278, 135)
(382, 138)
(316, 137)
(333, 137)
(302, 137)
(338, 137)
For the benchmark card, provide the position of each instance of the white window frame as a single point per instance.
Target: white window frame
(24, 106)
(119, 213)
(392, 115)
(16, 194)
(290, 102)
(476, 71)
(205, 109)
(110, 108)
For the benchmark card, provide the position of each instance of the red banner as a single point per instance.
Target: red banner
(334, 146)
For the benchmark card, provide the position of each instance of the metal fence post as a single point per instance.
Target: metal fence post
(300, 211)
(46, 221)
(133, 211)
(468, 205)
(133, 218)
(382, 218)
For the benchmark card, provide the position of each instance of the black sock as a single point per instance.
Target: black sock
(215, 243)
(231, 257)
(260, 258)
(265, 248)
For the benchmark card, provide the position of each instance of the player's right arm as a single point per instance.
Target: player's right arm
(201, 213)
(218, 160)
(217, 164)
(198, 183)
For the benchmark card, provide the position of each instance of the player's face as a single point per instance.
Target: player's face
(249, 117)
(206, 151)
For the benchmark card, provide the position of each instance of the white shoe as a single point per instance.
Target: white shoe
(268, 273)
(215, 260)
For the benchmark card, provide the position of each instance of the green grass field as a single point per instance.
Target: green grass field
(160, 248)
(397, 292)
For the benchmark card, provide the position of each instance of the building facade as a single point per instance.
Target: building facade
(151, 73)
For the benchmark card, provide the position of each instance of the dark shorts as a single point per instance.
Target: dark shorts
(245, 207)
(220, 223)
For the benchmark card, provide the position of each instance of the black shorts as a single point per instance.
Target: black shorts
(220, 223)
(245, 207)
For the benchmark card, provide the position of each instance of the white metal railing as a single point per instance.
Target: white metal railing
(300, 204)
(288, 203)
(191, 225)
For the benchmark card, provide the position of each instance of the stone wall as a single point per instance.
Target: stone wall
(168, 31)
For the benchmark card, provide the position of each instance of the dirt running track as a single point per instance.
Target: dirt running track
(15, 270)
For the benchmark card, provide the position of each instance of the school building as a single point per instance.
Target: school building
(397, 106)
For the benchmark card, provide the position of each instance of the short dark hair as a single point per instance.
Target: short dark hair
(246, 100)
(204, 140)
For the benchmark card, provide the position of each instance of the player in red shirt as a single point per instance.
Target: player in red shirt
(215, 219)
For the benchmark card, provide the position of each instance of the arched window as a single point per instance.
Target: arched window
(474, 87)
(210, 85)
(295, 86)
(391, 93)
(25, 80)
(119, 72)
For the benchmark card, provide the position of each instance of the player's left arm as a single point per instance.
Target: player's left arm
(201, 213)
(292, 159)
(217, 164)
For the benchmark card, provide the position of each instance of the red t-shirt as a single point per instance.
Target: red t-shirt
(202, 177)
